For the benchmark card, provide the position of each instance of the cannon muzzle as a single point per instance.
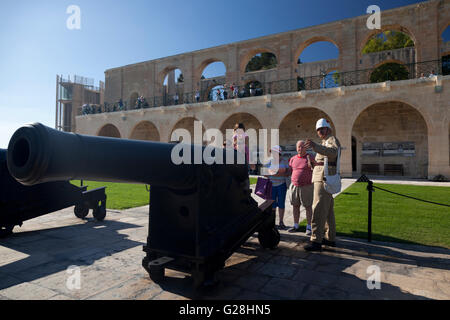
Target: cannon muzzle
(37, 154)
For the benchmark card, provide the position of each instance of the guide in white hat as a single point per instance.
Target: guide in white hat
(323, 223)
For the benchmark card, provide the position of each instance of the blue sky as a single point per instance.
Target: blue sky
(36, 44)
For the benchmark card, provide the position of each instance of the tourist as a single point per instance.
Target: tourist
(252, 90)
(235, 91)
(225, 93)
(241, 142)
(197, 96)
(323, 223)
(276, 170)
(175, 98)
(301, 189)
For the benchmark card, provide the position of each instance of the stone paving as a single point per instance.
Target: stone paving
(34, 265)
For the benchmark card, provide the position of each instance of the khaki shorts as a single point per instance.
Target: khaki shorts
(301, 195)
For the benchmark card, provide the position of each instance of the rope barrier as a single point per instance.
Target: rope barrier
(399, 194)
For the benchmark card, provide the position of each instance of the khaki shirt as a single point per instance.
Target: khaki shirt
(329, 148)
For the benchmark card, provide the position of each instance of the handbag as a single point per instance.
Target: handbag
(264, 188)
(332, 184)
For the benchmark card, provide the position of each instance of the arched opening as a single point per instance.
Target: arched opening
(389, 71)
(318, 51)
(189, 124)
(391, 139)
(317, 62)
(250, 122)
(300, 124)
(212, 82)
(262, 61)
(387, 40)
(145, 130)
(109, 130)
(392, 44)
(173, 87)
(214, 70)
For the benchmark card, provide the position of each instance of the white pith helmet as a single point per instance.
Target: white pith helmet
(322, 123)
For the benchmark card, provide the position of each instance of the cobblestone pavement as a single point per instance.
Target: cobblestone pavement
(34, 265)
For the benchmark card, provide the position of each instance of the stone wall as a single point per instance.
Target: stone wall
(418, 108)
(423, 22)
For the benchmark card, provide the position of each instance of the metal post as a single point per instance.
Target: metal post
(369, 221)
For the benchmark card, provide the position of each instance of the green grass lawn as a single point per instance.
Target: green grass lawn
(123, 196)
(120, 195)
(395, 218)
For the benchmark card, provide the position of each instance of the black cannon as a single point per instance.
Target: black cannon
(199, 213)
(19, 203)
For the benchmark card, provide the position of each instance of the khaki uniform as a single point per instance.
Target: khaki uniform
(323, 223)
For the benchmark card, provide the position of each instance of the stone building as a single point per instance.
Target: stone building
(392, 127)
(71, 95)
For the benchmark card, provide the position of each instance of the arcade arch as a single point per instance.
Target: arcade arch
(172, 79)
(188, 124)
(390, 70)
(249, 121)
(391, 133)
(264, 60)
(378, 40)
(300, 124)
(318, 50)
(109, 130)
(145, 130)
(212, 69)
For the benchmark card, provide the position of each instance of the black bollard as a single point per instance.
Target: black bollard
(369, 221)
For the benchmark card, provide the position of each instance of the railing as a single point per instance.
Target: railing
(88, 83)
(332, 80)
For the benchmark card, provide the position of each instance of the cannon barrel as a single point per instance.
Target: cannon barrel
(37, 154)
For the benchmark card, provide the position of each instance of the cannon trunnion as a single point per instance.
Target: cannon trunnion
(199, 213)
(19, 203)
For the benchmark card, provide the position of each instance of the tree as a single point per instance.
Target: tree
(263, 61)
(389, 71)
(180, 78)
(337, 78)
(388, 40)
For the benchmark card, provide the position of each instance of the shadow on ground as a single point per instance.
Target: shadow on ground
(289, 273)
(52, 250)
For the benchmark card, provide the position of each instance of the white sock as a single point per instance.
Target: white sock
(308, 227)
(295, 225)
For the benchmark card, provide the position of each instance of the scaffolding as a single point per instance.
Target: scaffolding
(71, 94)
